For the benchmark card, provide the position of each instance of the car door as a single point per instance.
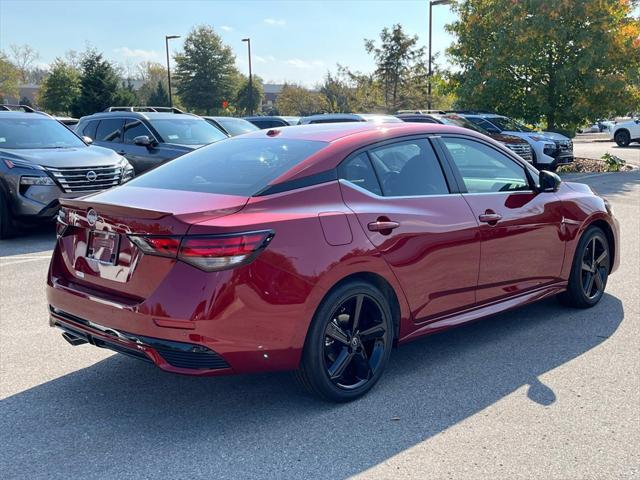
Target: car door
(422, 227)
(521, 229)
(141, 157)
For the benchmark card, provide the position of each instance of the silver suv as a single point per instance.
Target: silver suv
(41, 160)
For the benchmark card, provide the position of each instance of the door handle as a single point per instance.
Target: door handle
(382, 226)
(490, 217)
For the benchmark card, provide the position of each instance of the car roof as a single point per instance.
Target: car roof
(143, 115)
(13, 114)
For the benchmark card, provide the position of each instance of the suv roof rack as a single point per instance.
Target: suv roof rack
(9, 107)
(144, 109)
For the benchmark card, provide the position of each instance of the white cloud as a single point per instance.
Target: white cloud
(226, 28)
(305, 64)
(267, 59)
(137, 53)
(276, 22)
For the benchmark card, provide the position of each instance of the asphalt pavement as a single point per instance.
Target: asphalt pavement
(540, 392)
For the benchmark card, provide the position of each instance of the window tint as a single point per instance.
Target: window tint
(264, 124)
(482, 123)
(358, 170)
(237, 126)
(133, 129)
(238, 166)
(90, 129)
(484, 169)
(187, 131)
(110, 130)
(418, 119)
(409, 168)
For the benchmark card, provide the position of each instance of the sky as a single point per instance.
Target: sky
(296, 41)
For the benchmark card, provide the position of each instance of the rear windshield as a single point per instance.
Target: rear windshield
(190, 131)
(36, 133)
(237, 126)
(240, 166)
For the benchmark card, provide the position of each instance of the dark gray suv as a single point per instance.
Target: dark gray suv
(41, 160)
(148, 139)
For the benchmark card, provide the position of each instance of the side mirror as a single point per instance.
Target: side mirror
(144, 141)
(549, 181)
(87, 140)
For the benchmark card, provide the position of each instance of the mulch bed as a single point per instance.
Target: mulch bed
(588, 165)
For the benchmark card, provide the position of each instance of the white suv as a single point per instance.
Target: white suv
(626, 132)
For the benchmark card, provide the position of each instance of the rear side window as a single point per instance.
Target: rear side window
(110, 130)
(358, 170)
(409, 168)
(239, 166)
(90, 128)
(133, 129)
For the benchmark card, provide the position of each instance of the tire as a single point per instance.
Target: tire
(340, 363)
(589, 271)
(622, 138)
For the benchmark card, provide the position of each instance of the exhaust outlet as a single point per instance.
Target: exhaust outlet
(73, 340)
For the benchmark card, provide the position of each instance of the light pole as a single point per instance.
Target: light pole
(431, 4)
(166, 44)
(248, 40)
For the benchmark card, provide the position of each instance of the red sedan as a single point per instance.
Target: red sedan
(318, 248)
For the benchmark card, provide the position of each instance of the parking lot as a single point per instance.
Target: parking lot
(540, 392)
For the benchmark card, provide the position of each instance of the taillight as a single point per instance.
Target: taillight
(209, 253)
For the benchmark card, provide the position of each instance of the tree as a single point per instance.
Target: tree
(242, 99)
(399, 65)
(98, 85)
(337, 92)
(9, 78)
(152, 73)
(205, 71)
(125, 95)
(159, 97)
(564, 61)
(297, 100)
(23, 57)
(61, 88)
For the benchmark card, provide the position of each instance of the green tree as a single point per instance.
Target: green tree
(9, 78)
(60, 89)
(242, 99)
(297, 100)
(338, 93)
(205, 71)
(399, 66)
(561, 60)
(98, 85)
(125, 95)
(159, 97)
(151, 73)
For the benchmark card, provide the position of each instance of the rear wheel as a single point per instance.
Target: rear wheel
(622, 138)
(590, 270)
(348, 344)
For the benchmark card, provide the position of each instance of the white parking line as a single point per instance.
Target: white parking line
(6, 261)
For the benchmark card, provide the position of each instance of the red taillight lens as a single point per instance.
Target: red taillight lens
(208, 253)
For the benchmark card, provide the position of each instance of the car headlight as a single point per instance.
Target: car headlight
(127, 170)
(15, 163)
(40, 180)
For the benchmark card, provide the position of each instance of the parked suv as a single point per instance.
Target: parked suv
(148, 138)
(626, 132)
(41, 161)
(516, 144)
(550, 149)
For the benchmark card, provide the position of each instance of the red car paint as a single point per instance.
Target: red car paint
(442, 266)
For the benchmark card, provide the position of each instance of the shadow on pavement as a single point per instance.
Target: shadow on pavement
(121, 418)
(40, 238)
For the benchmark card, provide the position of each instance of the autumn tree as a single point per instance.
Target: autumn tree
(151, 74)
(23, 56)
(297, 100)
(61, 88)
(206, 74)
(562, 60)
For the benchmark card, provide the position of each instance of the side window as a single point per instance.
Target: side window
(484, 169)
(358, 170)
(110, 130)
(133, 129)
(482, 123)
(409, 168)
(89, 129)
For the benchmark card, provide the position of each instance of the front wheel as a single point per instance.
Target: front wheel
(348, 344)
(589, 272)
(622, 138)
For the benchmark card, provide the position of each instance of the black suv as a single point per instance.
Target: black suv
(41, 161)
(147, 137)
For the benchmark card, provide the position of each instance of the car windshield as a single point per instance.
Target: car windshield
(460, 122)
(187, 131)
(36, 133)
(239, 166)
(509, 124)
(236, 126)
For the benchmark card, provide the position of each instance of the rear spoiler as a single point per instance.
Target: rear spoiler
(111, 209)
